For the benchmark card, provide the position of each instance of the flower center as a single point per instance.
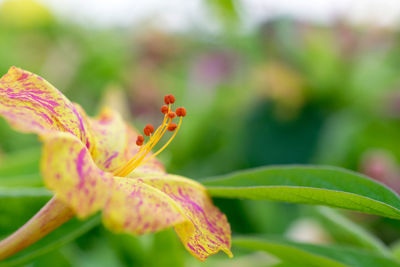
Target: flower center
(154, 137)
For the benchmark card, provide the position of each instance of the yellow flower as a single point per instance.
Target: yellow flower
(94, 164)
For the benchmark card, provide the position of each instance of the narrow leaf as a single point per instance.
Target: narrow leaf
(301, 254)
(24, 192)
(26, 180)
(309, 185)
(343, 229)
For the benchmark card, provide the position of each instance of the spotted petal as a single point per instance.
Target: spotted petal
(31, 104)
(69, 171)
(206, 230)
(109, 138)
(137, 208)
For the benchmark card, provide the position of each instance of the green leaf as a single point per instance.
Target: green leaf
(330, 186)
(24, 192)
(300, 254)
(18, 205)
(23, 162)
(343, 229)
(61, 236)
(26, 180)
(395, 249)
(168, 250)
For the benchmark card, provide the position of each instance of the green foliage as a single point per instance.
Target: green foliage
(17, 205)
(309, 185)
(62, 235)
(299, 254)
(343, 230)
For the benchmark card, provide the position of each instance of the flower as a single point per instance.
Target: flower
(101, 163)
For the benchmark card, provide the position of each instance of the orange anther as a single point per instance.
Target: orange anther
(172, 126)
(171, 115)
(164, 109)
(180, 112)
(139, 140)
(166, 99)
(138, 143)
(169, 99)
(149, 129)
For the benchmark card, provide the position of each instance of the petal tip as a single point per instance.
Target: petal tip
(13, 70)
(228, 252)
(14, 73)
(203, 258)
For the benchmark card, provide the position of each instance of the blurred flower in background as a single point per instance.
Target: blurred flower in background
(382, 166)
(213, 68)
(284, 86)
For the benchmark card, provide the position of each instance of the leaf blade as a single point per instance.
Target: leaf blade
(286, 253)
(328, 186)
(311, 255)
(342, 227)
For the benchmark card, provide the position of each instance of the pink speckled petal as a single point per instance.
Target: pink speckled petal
(109, 138)
(207, 230)
(31, 104)
(70, 172)
(137, 208)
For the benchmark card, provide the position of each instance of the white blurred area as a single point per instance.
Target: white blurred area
(177, 15)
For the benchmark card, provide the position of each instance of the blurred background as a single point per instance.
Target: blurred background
(264, 83)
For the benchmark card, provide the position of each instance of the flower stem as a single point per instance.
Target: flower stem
(52, 215)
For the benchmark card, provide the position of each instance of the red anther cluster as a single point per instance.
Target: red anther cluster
(164, 109)
(180, 112)
(171, 115)
(169, 99)
(172, 126)
(140, 140)
(149, 129)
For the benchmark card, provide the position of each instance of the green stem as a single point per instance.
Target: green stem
(52, 215)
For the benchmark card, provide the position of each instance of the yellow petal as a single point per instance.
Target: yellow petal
(137, 208)
(70, 172)
(207, 230)
(31, 104)
(109, 137)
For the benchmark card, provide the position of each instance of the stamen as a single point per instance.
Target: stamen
(172, 127)
(164, 109)
(171, 115)
(130, 167)
(166, 144)
(144, 150)
(124, 170)
(140, 159)
(180, 112)
(166, 99)
(169, 99)
(148, 130)
(154, 137)
(140, 140)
